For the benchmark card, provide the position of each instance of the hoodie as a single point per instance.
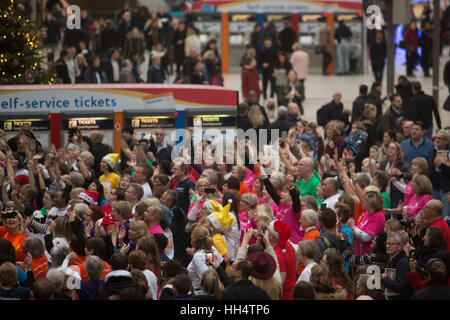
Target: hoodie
(115, 282)
(335, 244)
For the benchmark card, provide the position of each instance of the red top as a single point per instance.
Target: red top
(441, 224)
(250, 81)
(39, 267)
(286, 260)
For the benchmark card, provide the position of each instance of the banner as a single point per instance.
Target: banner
(88, 124)
(272, 6)
(112, 98)
(165, 122)
(209, 121)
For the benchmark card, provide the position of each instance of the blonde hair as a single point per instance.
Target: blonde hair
(140, 227)
(152, 202)
(123, 209)
(255, 116)
(423, 183)
(210, 283)
(250, 198)
(422, 164)
(375, 199)
(271, 286)
(264, 215)
(76, 192)
(202, 238)
(335, 126)
(63, 228)
(393, 225)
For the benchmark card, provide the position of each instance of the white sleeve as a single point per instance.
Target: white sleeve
(361, 235)
(277, 274)
(400, 186)
(192, 214)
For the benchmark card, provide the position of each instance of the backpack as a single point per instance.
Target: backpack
(330, 247)
(321, 114)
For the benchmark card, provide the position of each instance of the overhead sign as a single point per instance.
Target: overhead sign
(165, 122)
(89, 123)
(220, 120)
(11, 125)
(272, 6)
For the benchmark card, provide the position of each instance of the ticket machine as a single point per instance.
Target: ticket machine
(309, 37)
(88, 124)
(39, 125)
(240, 28)
(145, 125)
(354, 22)
(209, 26)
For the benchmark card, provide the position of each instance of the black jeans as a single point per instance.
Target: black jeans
(326, 60)
(265, 79)
(410, 61)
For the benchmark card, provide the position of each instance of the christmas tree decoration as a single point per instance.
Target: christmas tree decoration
(21, 47)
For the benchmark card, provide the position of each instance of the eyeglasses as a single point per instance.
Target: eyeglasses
(389, 244)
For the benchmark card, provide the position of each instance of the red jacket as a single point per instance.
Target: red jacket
(250, 81)
(417, 283)
(410, 38)
(441, 224)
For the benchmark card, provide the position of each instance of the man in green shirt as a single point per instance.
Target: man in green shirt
(381, 180)
(309, 178)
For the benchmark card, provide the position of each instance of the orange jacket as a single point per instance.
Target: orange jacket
(16, 240)
(39, 267)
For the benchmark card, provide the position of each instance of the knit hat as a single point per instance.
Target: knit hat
(22, 179)
(90, 196)
(264, 265)
(281, 231)
(222, 219)
(111, 159)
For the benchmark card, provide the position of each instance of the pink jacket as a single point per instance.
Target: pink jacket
(300, 63)
(246, 224)
(292, 219)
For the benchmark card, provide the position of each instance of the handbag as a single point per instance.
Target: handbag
(447, 104)
(346, 45)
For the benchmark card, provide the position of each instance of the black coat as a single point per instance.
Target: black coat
(287, 39)
(375, 95)
(439, 179)
(358, 107)
(243, 122)
(62, 71)
(108, 39)
(52, 32)
(421, 108)
(400, 284)
(163, 153)
(178, 51)
(433, 291)
(109, 71)
(378, 54)
(405, 91)
(155, 75)
(269, 56)
(244, 290)
(99, 150)
(114, 285)
(90, 76)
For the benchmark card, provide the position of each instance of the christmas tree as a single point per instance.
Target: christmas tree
(21, 47)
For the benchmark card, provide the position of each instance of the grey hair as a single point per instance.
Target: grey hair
(90, 158)
(213, 178)
(363, 179)
(398, 237)
(94, 267)
(97, 137)
(73, 146)
(446, 135)
(278, 178)
(77, 179)
(282, 112)
(57, 278)
(58, 253)
(250, 198)
(310, 216)
(138, 190)
(81, 209)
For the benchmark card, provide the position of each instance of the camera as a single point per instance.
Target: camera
(408, 224)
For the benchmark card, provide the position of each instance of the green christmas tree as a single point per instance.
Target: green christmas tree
(21, 47)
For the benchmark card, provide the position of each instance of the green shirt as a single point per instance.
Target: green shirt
(387, 201)
(309, 188)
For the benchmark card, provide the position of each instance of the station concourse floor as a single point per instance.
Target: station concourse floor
(319, 88)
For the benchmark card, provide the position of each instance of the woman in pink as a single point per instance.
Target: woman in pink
(370, 224)
(418, 166)
(247, 214)
(421, 187)
(289, 206)
(195, 208)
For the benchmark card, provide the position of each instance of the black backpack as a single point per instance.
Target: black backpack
(321, 114)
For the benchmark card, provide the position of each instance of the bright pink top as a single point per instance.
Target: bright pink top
(199, 211)
(155, 229)
(371, 224)
(273, 205)
(246, 224)
(415, 204)
(292, 219)
(250, 178)
(408, 193)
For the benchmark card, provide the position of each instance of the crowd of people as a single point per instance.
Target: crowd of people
(107, 51)
(141, 224)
